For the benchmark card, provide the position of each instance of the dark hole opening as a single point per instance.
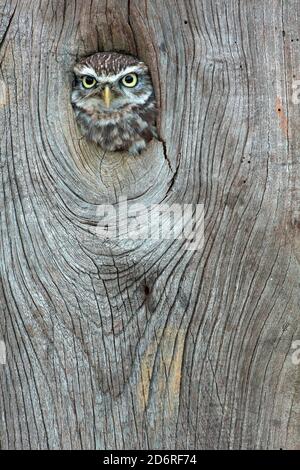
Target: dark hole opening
(147, 290)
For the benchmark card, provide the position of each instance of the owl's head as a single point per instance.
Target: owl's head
(109, 81)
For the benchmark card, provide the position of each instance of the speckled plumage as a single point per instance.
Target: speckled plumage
(128, 123)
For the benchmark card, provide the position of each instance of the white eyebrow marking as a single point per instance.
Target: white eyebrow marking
(85, 70)
(112, 78)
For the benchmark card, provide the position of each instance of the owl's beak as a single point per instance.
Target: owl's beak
(107, 96)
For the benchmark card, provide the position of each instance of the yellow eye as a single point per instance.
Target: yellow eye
(130, 80)
(88, 82)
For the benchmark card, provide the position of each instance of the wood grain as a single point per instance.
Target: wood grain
(142, 344)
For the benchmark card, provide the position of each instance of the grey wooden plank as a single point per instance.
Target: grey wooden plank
(144, 344)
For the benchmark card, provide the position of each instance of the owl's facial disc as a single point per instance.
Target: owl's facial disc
(107, 90)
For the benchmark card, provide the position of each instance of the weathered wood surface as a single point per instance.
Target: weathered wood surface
(147, 345)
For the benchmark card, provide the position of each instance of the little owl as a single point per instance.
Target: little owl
(114, 102)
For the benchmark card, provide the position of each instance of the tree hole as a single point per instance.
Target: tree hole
(146, 290)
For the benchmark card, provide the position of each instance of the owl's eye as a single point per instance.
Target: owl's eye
(88, 82)
(130, 80)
